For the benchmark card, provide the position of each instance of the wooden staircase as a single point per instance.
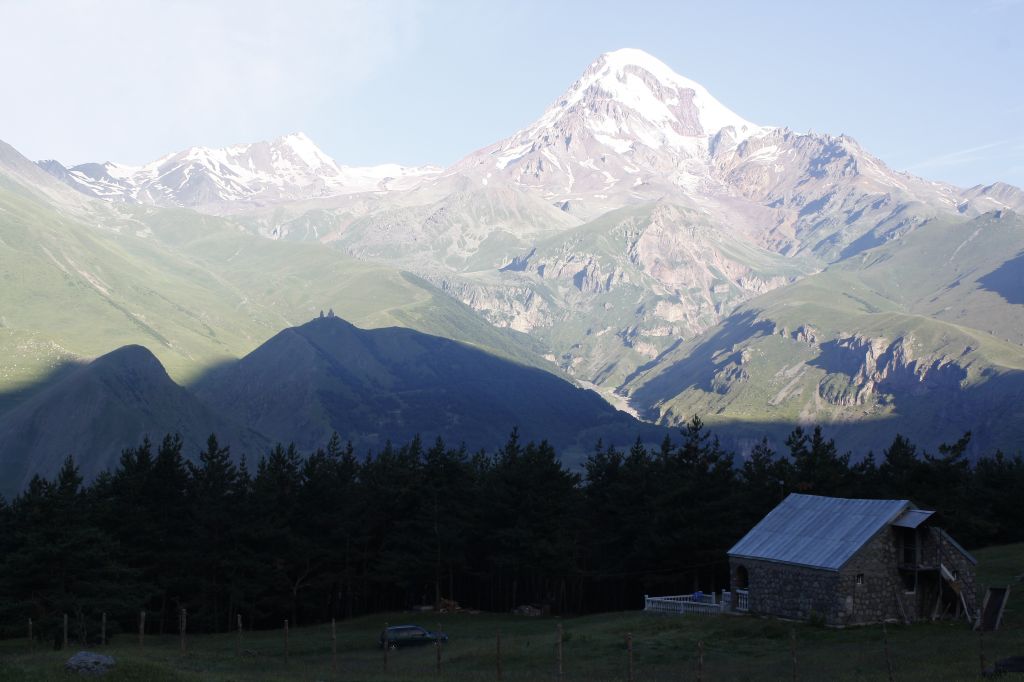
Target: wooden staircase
(954, 584)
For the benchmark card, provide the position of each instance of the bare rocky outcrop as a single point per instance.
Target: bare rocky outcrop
(805, 333)
(519, 308)
(873, 370)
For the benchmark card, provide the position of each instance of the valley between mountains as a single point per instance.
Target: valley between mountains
(638, 239)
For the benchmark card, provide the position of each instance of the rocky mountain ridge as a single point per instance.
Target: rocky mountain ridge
(289, 168)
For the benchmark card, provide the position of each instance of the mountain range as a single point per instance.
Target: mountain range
(638, 238)
(286, 169)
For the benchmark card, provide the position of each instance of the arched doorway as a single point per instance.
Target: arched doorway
(742, 577)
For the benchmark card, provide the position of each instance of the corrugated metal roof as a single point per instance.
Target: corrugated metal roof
(912, 518)
(820, 532)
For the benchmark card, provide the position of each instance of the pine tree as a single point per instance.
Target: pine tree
(61, 562)
(818, 468)
(212, 500)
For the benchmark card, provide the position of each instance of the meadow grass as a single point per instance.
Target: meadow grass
(664, 648)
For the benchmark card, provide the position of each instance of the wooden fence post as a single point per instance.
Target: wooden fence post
(560, 672)
(792, 650)
(103, 629)
(885, 643)
(334, 648)
(437, 647)
(629, 655)
(981, 650)
(238, 637)
(700, 661)
(499, 654)
(286, 652)
(183, 627)
(142, 627)
(65, 631)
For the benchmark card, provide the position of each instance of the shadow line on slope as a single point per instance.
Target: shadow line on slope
(715, 351)
(1007, 280)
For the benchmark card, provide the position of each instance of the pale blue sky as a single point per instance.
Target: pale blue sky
(930, 87)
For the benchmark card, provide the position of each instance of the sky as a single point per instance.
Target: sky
(931, 87)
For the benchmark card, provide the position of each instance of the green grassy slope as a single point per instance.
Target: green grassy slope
(80, 279)
(665, 648)
(804, 353)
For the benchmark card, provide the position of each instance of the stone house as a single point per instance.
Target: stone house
(848, 562)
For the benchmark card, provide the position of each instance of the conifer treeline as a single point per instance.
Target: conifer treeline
(335, 535)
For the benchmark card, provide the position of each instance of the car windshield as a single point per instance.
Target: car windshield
(405, 631)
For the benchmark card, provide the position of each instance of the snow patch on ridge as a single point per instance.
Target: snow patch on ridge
(289, 167)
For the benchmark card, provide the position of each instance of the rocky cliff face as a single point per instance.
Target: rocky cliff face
(619, 290)
(874, 370)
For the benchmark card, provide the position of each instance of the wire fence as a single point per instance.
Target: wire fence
(660, 649)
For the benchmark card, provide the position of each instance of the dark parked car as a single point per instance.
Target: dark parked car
(409, 635)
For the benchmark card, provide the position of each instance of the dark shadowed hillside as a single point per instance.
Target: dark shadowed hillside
(94, 411)
(374, 385)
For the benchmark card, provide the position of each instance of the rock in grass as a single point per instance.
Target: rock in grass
(89, 664)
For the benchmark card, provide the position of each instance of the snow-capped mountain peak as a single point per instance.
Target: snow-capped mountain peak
(630, 128)
(304, 149)
(652, 90)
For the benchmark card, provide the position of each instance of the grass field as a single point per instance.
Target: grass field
(664, 648)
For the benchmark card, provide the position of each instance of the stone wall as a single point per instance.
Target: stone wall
(875, 597)
(788, 591)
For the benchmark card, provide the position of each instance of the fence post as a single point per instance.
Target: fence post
(142, 627)
(65, 631)
(629, 655)
(286, 652)
(981, 650)
(560, 651)
(103, 629)
(700, 661)
(792, 650)
(885, 643)
(437, 647)
(499, 654)
(238, 637)
(334, 648)
(182, 627)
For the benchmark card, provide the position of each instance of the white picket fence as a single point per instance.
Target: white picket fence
(698, 602)
(684, 603)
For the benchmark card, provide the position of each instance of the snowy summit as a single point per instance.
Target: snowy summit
(644, 84)
(627, 125)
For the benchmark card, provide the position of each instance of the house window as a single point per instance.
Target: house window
(860, 578)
